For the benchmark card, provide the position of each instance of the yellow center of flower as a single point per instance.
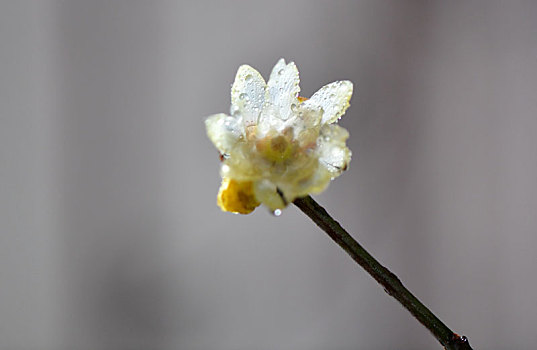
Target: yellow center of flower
(237, 196)
(276, 148)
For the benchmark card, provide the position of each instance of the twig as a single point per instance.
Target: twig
(391, 283)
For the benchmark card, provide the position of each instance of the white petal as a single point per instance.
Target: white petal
(267, 193)
(268, 121)
(224, 131)
(248, 94)
(333, 153)
(306, 124)
(283, 88)
(333, 99)
(316, 183)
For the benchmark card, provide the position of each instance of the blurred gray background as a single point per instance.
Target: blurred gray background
(110, 237)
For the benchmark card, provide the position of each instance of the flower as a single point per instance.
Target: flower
(277, 146)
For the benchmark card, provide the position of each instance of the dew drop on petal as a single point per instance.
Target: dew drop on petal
(280, 72)
(248, 77)
(244, 96)
(293, 107)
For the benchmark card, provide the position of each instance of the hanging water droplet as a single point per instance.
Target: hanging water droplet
(277, 212)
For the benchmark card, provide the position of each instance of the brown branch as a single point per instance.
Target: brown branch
(392, 285)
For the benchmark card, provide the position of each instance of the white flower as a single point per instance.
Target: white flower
(277, 146)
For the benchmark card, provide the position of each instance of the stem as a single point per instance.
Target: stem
(391, 283)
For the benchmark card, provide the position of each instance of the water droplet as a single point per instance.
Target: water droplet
(280, 72)
(235, 111)
(248, 77)
(277, 212)
(293, 107)
(244, 96)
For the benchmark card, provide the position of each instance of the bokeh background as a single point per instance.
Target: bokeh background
(110, 237)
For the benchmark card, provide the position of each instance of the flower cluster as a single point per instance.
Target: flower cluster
(277, 146)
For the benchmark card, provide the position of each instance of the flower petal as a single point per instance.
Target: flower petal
(267, 193)
(333, 153)
(283, 88)
(334, 99)
(315, 180)
(306, 125)
(316, 183)
(248, 94)
(236, 197)
(224, 131)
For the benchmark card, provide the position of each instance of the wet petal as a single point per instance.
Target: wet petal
(283, 88)
(315, 180)
(248, 94)
(224, 131)
(267, 193)
(334, 99)
(316, 183)
(236, 196)
(306, 125)
(333, 153)
(269, 121)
